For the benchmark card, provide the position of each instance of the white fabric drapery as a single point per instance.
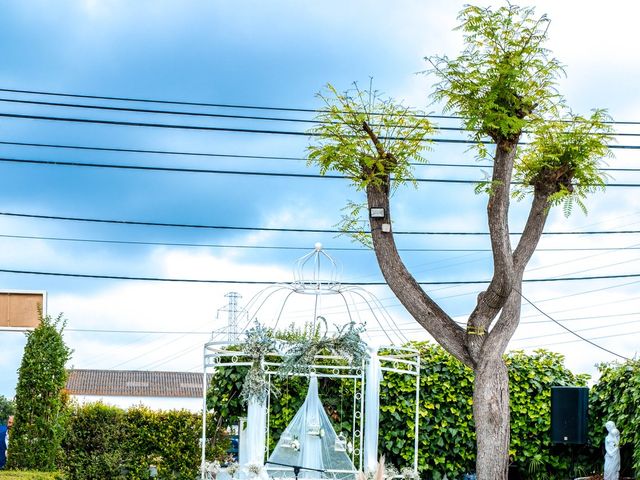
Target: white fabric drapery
(372, 410)
(310, 441)
(253, 440)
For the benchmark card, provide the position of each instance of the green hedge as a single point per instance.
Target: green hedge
(447, 437)
(617, 397)
(106, 442)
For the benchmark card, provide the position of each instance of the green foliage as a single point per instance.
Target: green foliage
(346, 147)
(530, 379)
(92, 445)
(616, 397)
(299, 348)
(7, 407)
(40, 413)
(562, 160)
(446, 433)
(346, 344)
(372, 140)
(503, 76)
(258, 343)
(106, 442)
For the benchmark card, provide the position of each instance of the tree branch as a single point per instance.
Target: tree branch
(532, 230)
(509, 319)
(493, 299)
(426, 312)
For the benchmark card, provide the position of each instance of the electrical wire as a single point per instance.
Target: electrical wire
(288, 247)
(295, 230)
(218, 115)
(248, 157)
(224, 105)
(569, 330)
(123, 123)
(147, 168)
(264, 282)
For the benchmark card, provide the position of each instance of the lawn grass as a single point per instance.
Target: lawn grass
(23, 475)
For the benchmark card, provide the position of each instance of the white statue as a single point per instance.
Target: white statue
(612, 452)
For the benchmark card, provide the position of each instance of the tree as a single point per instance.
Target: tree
(39, 419)
(502, 85)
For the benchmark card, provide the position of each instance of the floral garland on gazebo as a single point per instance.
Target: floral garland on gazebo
(298, 357)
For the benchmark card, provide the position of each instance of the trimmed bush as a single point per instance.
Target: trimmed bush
(105, 442)
(40, 413)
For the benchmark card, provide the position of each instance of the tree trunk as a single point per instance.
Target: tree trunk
(491, 416)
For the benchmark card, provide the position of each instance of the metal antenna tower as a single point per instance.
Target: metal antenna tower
(232, 315)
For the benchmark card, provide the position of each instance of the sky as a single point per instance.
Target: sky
(278, 54)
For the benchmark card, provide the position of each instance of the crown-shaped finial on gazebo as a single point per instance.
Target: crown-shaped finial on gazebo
(316, 273)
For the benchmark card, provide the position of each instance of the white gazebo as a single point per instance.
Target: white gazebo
(317, 451)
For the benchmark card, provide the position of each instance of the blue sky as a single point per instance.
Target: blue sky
(275, 53)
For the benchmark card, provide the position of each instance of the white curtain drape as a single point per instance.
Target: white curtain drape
(255, 434)
(372, 410)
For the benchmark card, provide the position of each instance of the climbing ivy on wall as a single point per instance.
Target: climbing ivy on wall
(617, 397)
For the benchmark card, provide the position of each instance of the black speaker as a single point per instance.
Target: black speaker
(569, 410)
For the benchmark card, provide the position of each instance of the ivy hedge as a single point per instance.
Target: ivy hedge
(105, 442)
(616, 397)
(446, 430)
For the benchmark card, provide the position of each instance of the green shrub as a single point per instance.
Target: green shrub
(39, 418)
(93, 444)
(7, 408)
(106, 442)
(530, 380)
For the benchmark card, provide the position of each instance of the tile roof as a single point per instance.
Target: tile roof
(135, 383)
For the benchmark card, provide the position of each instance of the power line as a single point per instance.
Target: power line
(58, 163)
(238, 130)
(289, 247)
(239, 172)
(155, 152)
(138, 332)
(599, 327)
(569, 330)
(264, 282)
(216, 115)
(291, 229)
(194, 104)
(226, 105)
(241, 156)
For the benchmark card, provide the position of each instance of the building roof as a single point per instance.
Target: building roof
(135, 383)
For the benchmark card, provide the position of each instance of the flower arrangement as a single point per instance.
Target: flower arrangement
(346, 344)
(258, 343)
(408, 473)
(233, 468)
(212, 467)
(254, 470)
